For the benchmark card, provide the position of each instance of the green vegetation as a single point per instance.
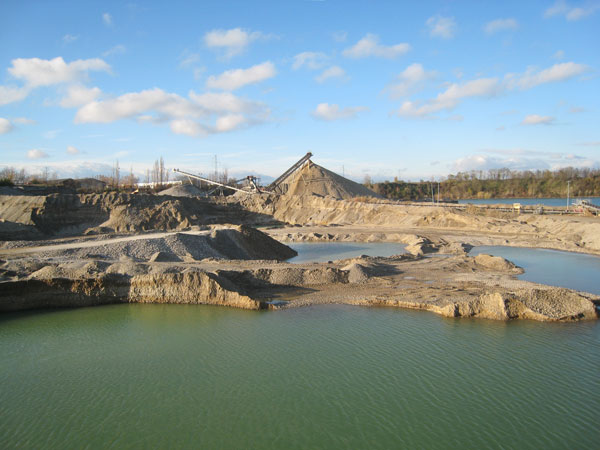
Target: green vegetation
(497, 183)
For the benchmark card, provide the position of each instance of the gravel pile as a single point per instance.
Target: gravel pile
(182, 190)
(226, 243)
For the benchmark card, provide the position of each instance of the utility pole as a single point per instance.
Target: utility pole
(432, 197)
(438, 192)
(568, 192)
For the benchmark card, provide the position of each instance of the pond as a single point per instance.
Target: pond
(552, 267)
(189, 376)
(329, 251)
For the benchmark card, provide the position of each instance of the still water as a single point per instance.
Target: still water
(326, 251)
(528, 201)
(555, 268)
(186, 376)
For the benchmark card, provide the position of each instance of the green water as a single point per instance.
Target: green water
(175, 376)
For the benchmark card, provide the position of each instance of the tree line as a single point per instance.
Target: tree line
(497, 183)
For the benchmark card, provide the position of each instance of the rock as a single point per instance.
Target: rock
(494, 263)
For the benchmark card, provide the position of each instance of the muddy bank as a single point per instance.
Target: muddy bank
(454, 286)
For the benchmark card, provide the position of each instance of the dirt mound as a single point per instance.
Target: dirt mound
(182, 190)
(313, 179)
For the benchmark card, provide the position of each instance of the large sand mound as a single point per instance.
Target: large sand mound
(313, 179)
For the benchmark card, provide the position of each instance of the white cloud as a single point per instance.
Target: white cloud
(311, 60)
(500, 25)
(558, 72)
(369, 46)
(118, 49)
(5, 126)
(73, 150)
(534, 119)
(571, 13)
(78, 95)
(443, 27)
(24, 121)
(331, 72)
(10, 94)
(235, 79)
(187, 126)
(487, 87)
(230, 122)
(136, 103)
(189, 59)
(198, 115)
(410, 80)
(232, 42)
(107, 19)
(68, 38)
(36, 154)
(325, 111)
(451, 97)
(224, 102)
(43, 72)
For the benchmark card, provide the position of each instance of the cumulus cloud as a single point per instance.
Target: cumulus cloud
(189, 59)
(235, 79)
(558, 72)
(535, 119)
(188, 127)
(78, 95)
(198, 115)
(230, 122)
(10, 94)
(442, 27)
(500, 25)
(68, 38)
(569, 12)
(310, 60)
(370, 46)
(325, 111)
(409, 81)
(107, 19)
(136, 103)
(36, 154)
(451, 97)
(24, 121)
(486, 87)
(73, 150)
(331, 72)
(5, 125)
(118, 49)
(37, 72)
(231, 42)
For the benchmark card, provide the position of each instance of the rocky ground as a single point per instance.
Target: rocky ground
(98, 249)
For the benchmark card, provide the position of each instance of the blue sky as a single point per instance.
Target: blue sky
(390, 89)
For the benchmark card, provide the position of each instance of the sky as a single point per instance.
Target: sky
(413, 90)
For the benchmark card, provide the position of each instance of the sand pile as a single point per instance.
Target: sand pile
(182, 190)
(312, 179)
(238, 242)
